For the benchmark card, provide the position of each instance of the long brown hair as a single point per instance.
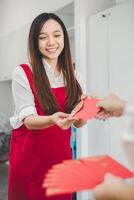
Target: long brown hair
(42, 84)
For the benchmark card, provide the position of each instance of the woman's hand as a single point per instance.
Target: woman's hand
(66, 122)
(78, 123)
(63, 120)
(59, 115)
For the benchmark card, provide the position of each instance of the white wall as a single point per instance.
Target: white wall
(16, 14)
(5, 98)
(72, 46)
(119, 1)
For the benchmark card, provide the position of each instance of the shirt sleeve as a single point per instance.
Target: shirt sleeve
(23, 98)
(80, 80)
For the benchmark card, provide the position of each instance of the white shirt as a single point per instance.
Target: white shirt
(23, 96)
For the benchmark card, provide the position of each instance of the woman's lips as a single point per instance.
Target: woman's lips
(52, 50)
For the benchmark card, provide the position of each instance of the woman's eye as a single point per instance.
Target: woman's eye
(57, 35)
(42, 38)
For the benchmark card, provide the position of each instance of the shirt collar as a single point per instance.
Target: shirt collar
(47, 66)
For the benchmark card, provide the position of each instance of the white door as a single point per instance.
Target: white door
(98, 81)
(110, 68)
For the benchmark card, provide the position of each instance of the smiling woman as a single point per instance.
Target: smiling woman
(51, 40)
(45, 91)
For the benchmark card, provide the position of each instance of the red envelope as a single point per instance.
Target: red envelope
(82, 174)
(77, 108)
(87, 109)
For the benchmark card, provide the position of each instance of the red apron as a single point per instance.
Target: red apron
(33, 152)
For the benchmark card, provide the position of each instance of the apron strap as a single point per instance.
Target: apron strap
(29, 76)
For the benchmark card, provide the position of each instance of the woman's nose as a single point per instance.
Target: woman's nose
(50, 41)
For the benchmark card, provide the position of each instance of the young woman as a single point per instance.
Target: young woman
(45, 91)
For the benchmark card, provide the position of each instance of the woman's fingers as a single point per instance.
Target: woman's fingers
(66, 123)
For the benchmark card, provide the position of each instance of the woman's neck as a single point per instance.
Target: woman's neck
(54, 65)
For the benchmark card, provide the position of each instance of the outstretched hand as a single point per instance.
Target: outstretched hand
(66, 122)
(110, 189)
(110, 106)
(63, 120)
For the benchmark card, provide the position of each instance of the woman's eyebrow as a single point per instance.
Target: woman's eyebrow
(42, 33)
(56, 31)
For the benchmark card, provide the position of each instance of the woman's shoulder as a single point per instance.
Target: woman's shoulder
(19, 72)
(18, 69)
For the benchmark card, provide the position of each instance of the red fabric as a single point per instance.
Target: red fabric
(33, 152)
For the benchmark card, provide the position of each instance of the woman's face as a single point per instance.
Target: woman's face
(51, 40)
